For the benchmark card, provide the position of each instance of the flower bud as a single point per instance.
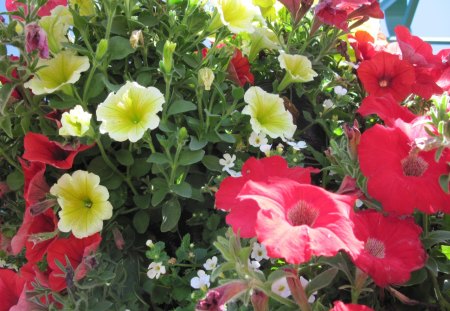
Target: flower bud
(206, 78)
(136, 39)
(219, 296)
(167, 62)
(182, 135)
(36, 39)
(353, 137)
(118, 238)
(260, 301)
(102, 47)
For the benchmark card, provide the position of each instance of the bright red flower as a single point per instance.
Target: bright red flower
(242, 214)
(297, 221)
(80, 254)
(38, 148)
(328, 13)
(387, 74)
(387, 109)
(239, 69)
(41, 234)
(392, 247)
(12, 292)
(340, 306)
(12, 5)
(401, 176)
(363, 44)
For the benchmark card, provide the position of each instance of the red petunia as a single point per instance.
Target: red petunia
(363, 44)
(387, 74)
(80, 254)
(38, 148)
(242, 214)
(340, 306)
(13, 5)
(239, 69)
(12, 292)
(401, 176)
(392, 247)
(297, 221)
(41, 234)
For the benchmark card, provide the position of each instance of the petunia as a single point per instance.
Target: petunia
(298, 69)
(387, 74)
(340, 306)
(58, 73)
(79, 252)
(56, 26)
(84, 203)
(242, 213)
(13, 5)
(36, 39)
(239, 69)
(400, 176)
(85, 7)
(75, 122)
(38, 148)
(268, 114)
(129, 112)
(217, 297)
(297, 221)
(392, 247)
(260, 39)
(13, 292)
(237, 15)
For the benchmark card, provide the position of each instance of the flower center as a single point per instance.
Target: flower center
(383, 82)
(375, 248)
(302, 214)
(87, 203)
(413, 165)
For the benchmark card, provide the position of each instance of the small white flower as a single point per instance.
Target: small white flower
(297, 145)
(227, 161)
(359, 203)
(201, 281)
(257, 140)
(210, 264)
(304, 283)
(149, 243)
(327, 104)
(253, 265)
(155, 270)
(259, 252)
(340, 91)
(233, 173)
(281, 287)
(265, 149)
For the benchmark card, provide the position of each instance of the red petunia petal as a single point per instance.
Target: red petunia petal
(386, 107)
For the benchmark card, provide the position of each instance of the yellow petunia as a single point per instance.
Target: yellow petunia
(56, 26)
(76, 122)
(131, 111)
(85, 7)
(84, 203)
(238, 15)
(298, 69)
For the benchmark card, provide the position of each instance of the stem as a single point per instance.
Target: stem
(284, 83)
(276, 297)
(87, 84)
(8, 159)
(425, 219)
(168, 80)
(358, 285)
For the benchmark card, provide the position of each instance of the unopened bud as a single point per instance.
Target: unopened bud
(36, 39)
(260, 301)
(353, 137)
(206, 78)
(136, 39)
(118, 238)
(182, 135)
(167, 62)
(102, 47)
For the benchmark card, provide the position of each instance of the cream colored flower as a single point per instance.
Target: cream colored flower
(56, 26)
(76, 122)
(86, 7)
(260, 39)
(206, 77)
(64, 69)
(238, 15)
(267, 113)
(129, 112)
(84, 203)
(298, 69)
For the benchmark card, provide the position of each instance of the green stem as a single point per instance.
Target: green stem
(284, 83)
(8, 159)
(358, 285)
(276, 297)
(168, 80)
(426, 222)
(88, 83)
(200, 106)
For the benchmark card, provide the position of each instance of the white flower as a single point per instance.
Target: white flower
(297, 145)
(327, 104)
(265, 149)
(232, 173)
(304, 283)
(253, 265)
(281, 287)
(339, 90)
(210, 264)
(227, 161)
(149, 243)
(201, 281)
(155, 270)
(259, 252)
(257, 140)
(76, 122)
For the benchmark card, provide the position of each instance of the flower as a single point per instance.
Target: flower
(38, 148)
(297, 145)
(298, 69)
(76, 122)
(339, 90)
(340, 306)
(136, 39)
(85, 7)
(253, 265)
(216, 298)
(13, 5)
(327, 104)
(56, 26)
(227, 161)
(281, 287)
(13, 291)
(237, 15)
(232, 173)
(304, 282)
(257, 140)
(400, 176)
(36, 39)
(201, 281)
(149, 243)
(387, 74)
(260, 39)
(392, 247)
(58, 72)
(206, 77)
(297, 221)
(129, 112)
(239, 69)
(242, 214)
(84, 203)
(155, 269)
(41, 233)
(268, 114)
(259, 252)
(265, 148)
(210, 264)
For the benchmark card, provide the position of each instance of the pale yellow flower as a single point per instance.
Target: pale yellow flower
(238, 15)
(86, 7)
(260, 39)
(56, 26)
(298, 69)
(206, 77)
(131, 111)
(65, 68)
(268, 114)
(76, 122)
(84, 203)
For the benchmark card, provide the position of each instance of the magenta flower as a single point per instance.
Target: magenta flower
(36, 39)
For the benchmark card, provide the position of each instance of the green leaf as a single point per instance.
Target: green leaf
(196, 144)
(444, 181)
(238, 93)
(6, 126)
(436, 237)
(124, 157)
(183, 190)
(158, 158)
(212, 163)
(417, 277)
(142, 201)
(140, 167)
(102, 306)
(119, 48)
(141, 221)
(15, 180)
(445, 249)
(96, 87)
(171, 212)
(228, 138)
(188, 157)
(180, 106)
(322, 280)
(5, 92)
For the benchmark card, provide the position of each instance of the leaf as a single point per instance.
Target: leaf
(119, 48)
(6, 126)
(445, 249)
(322, 280)
(238, 93)
(124, 157)
(5, 92)
(436, 237)
(188, 157)
(444, 181)
(417, 277)
(196, 144)
(171, 212)
(180, 106)
(15, 180)
(140, 167)
(142, 201)
(212, 163)
(158, 158)
(183, 190)
(228, 138)
(141, 221)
